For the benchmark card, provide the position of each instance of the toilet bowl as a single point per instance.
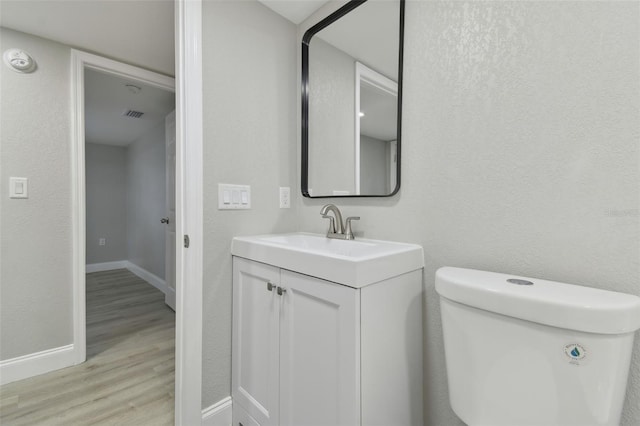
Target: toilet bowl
(522, 351)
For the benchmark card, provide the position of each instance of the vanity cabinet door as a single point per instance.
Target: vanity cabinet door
(255, 348)
(319, 352)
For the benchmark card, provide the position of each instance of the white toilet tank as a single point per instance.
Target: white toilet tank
(522, 351)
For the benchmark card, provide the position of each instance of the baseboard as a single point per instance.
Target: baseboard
(219, 414)
(105, 266)
(170, 297)
(34, 364)
(152, 279)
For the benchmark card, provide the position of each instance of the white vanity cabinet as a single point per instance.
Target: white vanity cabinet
(294, 353)
(308, 351)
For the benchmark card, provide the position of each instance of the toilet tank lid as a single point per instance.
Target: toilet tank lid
(552, 303)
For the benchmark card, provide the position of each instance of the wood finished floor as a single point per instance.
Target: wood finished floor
(128, 378)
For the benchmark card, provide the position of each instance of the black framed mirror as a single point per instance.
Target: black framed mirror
(352, 101)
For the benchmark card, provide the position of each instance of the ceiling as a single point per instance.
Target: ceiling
(138, 32)
(106, 99)
(295, 11)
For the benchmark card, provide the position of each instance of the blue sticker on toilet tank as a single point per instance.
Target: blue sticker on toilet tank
(575, 352)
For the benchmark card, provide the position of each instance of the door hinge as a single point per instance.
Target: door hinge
(186, 241)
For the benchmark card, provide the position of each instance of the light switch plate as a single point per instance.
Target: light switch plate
(234, 197)
(18, 187)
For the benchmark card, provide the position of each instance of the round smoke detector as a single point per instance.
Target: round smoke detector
(19, 60)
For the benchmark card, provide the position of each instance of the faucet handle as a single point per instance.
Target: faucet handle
(348, 232)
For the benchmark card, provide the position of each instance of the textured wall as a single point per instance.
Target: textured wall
(35, 277)
(106, 202)
(250, 98)
(331, 125)
(146, 198)
(520, 154)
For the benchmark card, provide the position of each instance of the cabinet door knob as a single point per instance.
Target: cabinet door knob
(281, 290)
(270, 286)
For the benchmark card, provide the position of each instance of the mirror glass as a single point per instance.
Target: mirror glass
(351, 98)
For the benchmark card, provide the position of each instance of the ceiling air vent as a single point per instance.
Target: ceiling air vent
(133, 114)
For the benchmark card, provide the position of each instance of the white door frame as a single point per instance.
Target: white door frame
(189, 210)
(188, 370)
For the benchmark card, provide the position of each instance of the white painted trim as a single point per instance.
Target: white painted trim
(152, 279)
(106, 266)
(219, 414)
(78, 201)
(170, 297)
(34, 364)
(189, 209)
(356, 114)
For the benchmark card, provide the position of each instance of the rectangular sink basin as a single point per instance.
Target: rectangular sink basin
(355, 263)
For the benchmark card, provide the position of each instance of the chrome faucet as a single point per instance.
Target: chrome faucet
(336, 228)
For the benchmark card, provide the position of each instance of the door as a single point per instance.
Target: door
(393, 165)
(255, 351)
(319, 352)
(170, 219)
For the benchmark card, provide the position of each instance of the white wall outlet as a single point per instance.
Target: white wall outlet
(234, 197)
(18, 187)
(285, 197)
(102, 241)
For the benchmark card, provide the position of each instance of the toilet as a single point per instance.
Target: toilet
(523, 351)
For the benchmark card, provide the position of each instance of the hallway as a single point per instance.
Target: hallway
(128, 378)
